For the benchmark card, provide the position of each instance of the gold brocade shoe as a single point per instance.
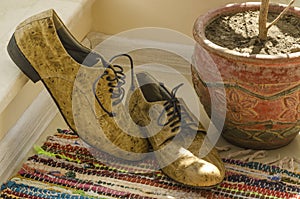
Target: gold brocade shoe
(176, 129)
(86, 96)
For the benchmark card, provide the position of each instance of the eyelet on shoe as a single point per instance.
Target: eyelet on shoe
(111, 90)
(174, 129)
(170, 113)
(174, 123)
(109, 84)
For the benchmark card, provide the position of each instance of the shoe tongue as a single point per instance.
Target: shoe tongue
(151, 88)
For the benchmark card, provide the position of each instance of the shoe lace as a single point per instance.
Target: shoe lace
(115, 83)
(177, 117)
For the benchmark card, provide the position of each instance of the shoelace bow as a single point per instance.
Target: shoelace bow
(114, 83)
(177, 117)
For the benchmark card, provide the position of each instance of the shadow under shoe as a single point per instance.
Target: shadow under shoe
(44, 49)
(175, 134)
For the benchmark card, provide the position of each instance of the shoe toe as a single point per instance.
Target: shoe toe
(194, 171)
(202, 173)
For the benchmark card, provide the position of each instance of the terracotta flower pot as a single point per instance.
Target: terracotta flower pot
(262, 91)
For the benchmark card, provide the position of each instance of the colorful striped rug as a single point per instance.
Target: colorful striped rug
(64, 167)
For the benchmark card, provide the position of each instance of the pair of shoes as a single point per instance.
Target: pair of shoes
(89, 98)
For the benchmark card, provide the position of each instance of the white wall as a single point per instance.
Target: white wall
(113, 16)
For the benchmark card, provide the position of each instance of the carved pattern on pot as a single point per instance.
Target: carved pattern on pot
(292, 111)
(254, 136)
(240, 106)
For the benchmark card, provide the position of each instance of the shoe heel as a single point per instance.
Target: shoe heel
(20, 60)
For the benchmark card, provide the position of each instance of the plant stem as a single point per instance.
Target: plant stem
(263, 16)
(281, 14)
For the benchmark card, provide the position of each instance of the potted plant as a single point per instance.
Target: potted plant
(254, 47)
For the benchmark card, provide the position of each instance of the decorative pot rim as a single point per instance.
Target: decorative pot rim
(203, 20)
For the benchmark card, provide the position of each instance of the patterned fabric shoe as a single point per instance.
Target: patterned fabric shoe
(174, 134)
(86, 96)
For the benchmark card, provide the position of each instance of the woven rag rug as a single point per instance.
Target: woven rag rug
(65, 167)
